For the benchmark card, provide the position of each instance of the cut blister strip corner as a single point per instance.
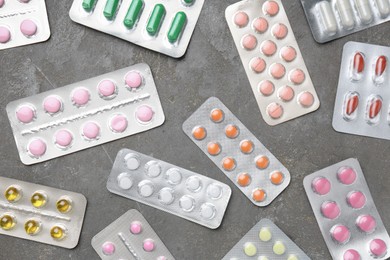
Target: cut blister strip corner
(237, 152)
(168, 187)
(85, 114)
(130, 237)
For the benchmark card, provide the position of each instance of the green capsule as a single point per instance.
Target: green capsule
(155, 19)
(177, 26)
(110, 9)
(88, 5)
(133, 13)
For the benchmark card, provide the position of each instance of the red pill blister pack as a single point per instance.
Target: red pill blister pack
(130, 237)
(362, 103)
(237, 152)
(85, 114)
(346, 213)
(23, 22)
(272, 60)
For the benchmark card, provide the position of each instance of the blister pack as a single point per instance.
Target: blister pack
(272, 60)
(362, 103)
(162, 26)
(130, 237)
(40, 213)
(332, 19)
(237, 152)
(23, 22)
(85, 114)
(346, 213)
(170, 188)
(265, 241)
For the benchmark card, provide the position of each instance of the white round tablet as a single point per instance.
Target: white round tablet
(166, 196)
(187, 203)
(173, 176)
(132, 161)
(214, 191)
(124, 181)
(193, 184)
(153, 169)
(145, 188)
(207, 211)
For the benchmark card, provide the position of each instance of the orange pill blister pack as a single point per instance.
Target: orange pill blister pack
(362, 103)
(272, 60)
(40, 213)
(237, 152)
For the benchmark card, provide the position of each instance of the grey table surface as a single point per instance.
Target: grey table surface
(211, 67)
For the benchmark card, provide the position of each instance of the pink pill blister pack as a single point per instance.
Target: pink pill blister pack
(362, 103)
(272, 60)
(130, 237)
(265, 241)
(40, 213)
(170, 188)
(237, 152)
(85, 114)
(23, 22)
(346, 213)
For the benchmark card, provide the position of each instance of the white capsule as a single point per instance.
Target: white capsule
(383, 7)
(364, 10)
(346, 15)
(327, 17)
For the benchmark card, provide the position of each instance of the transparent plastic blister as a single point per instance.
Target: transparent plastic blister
(40, 213)
(272, 60)
(161, 26)
(237, 152)
(130, 237)
(23, 22)
(85, 114)
(265, 241)
(332, 19)
(363, 93)
(170, 188)
(346, 214)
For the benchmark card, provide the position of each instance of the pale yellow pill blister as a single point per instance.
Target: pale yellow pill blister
(279, 248)
(265, 234)
(250, 249)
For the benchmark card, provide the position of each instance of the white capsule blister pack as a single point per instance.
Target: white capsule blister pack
(272, 60)
(40, 213)
(130, 237)
(237, 152)
(332, 19)
(265, 241)
(170, 188)
(161, 26)
(346, 214)
(23, 22)
(85, 114)
(362, 103)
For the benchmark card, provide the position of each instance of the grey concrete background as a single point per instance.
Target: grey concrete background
(211, 67)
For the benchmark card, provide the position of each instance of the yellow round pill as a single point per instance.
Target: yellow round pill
(7, 221)
(250, 249)
(292, 257)
(263, 258)
(279, 248)
(265, 234)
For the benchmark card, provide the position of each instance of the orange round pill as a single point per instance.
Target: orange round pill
(213, 148)
(231, 131)
(258, 195)
(244, 179)
(246, 146)
(276, 177)
(216, 115)
(228, 163)
(199, 133)
(262, 162)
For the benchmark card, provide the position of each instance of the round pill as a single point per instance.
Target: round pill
(257, 65)
(214, 191)
(346, 175)
(340, 234)
(135, 227)
(260, 25)
(244, 179)
(228, 163)
(91, 130)
(288, 53)
(378, 247)
(118, 123)
(330, 209)
(5, 34)
(262, 258)
(275, 110)
(25, 114)
(258, 195)
(162, 258)
(28, 28)
(356, 199)
(132, 161)
(268, 48)
(186, 203)
(216, 115)
(13, 193)
(124, 181)
(249, 42)
(80, 96)
(321, 185)
(37, 147)
(279, 31)
(262, 162)
(351, 254)
(276, 178)
(241, 19)
(108, 248)
(7, 221)
(193, 183)
(296, 76)
(246, 146)
(266, 87)
(292, 257)
(148, 245)
(63, 138)
(271, 8)
(213, 148)
(58, 232)
(106, 88)
(250, 249)
(133, 79)
(52, 104)
(366, 223)
(144, 113)
(279, 248)
(1, 3)
(286, 93)
(153, 169)
(173, 176)
(145, 188)
(277, 70)
(207, 211)
(231, 131)
(166, 195)
(199, 133)
(265, 234)
(306, 99)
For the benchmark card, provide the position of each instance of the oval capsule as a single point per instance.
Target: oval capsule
(351, 104)
(177, 26)
(364, 10)
(155, 19)
(346, 15)
(380, 68)
(327, 17)
(383, 7)
(133, 13)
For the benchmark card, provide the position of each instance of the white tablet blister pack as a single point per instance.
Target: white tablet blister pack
(332, 19)
(346, 214)
(272, 60)
(161, 26)
(362, 103)
(40, 213)
(170, 188)
(265, 241)
(85, 114)
(237, 152)
(23, 22)
(130, 237)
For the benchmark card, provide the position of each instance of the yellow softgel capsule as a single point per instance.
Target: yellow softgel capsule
(279, 248)
(32, 227)
(58, 232)
(292, 257)
(265, 234)
(13, 193)
(64, 204)
(39, 199)
(7, 221)
(250, 249)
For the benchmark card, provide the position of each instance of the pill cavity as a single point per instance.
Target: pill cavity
(193, 184)
(108, 248)
(279, 31)
(288, 53)
(380, 67)
(144, 114)
(262, 162)
(39, 199)
(32, 227)
(279, 248)
(364, 10)
(133, 79)
(276, 177)
(378, 247)
(7, 221)
(214, 191)
(366, 223)
(173, 176)
(132, 161)
(277, 70)
(296, 76)
(232, 131)
(250, 249)
(241, 19)
(306, 99)
(28, 28)
(145, 188)
(88, 5)
(285, 93)
(249, 42)
(321, 185)
(187, 203)
(217, 115)
(166, 196)
(125, 181)
(260, 25)
(356, 199)
(344, 9)
(110, 9)
(228, 163)
(58, 232)
(52, 104)
(214, 148)
(63, 138)
(292, 257)
(80, 96)
(266, 88)
(133, 13)
(5, 34)
(207, 211)
(327, 17)
(149, 245)
(374, 106)
(351, 254)
(153, 169)
(37, 147)
(383, 7)
(265, 234)
(340, 234)
(91, 131)
(25, 114)
(177, 26)
(259, 195)
(106, 88)
(257, 65)
(346, 175)
(274, 110)
(270, 8)
(1, 3)
(351, 103)
(268, 48)
(357, 66)
(199, 132)
(13, 193)
(118, 123)
(246, 146)
(135, 227)
(244, 179)
(330, 209)
(155, 19)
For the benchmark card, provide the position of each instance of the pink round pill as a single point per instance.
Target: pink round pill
(351, 254)
(63, 138)
(91, 130)
(241, 19)
(260, 25)
(118, 123)
(162, 258)
(1, 3)
(106, 88)
(356, 199)
(25, 114)
(366, 223)
(275, 110)
(286, 93)
(108, 248)
(268, 48)
(52, 104)
(144, 113)
(266, 87)
(306, 99)
(330, 209)
(257, 65)
(148, 245)
(80, 96)
(135, 227)
(321, 185)
(37, 147)
(249, 42)
(346, 175)
(279, 31)
(288, 53)
(277, 70)
(5, 34)
(340, 234)
(271, 8)
(378, 247)
(133, 79)
(296, 76)
(28, 28)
